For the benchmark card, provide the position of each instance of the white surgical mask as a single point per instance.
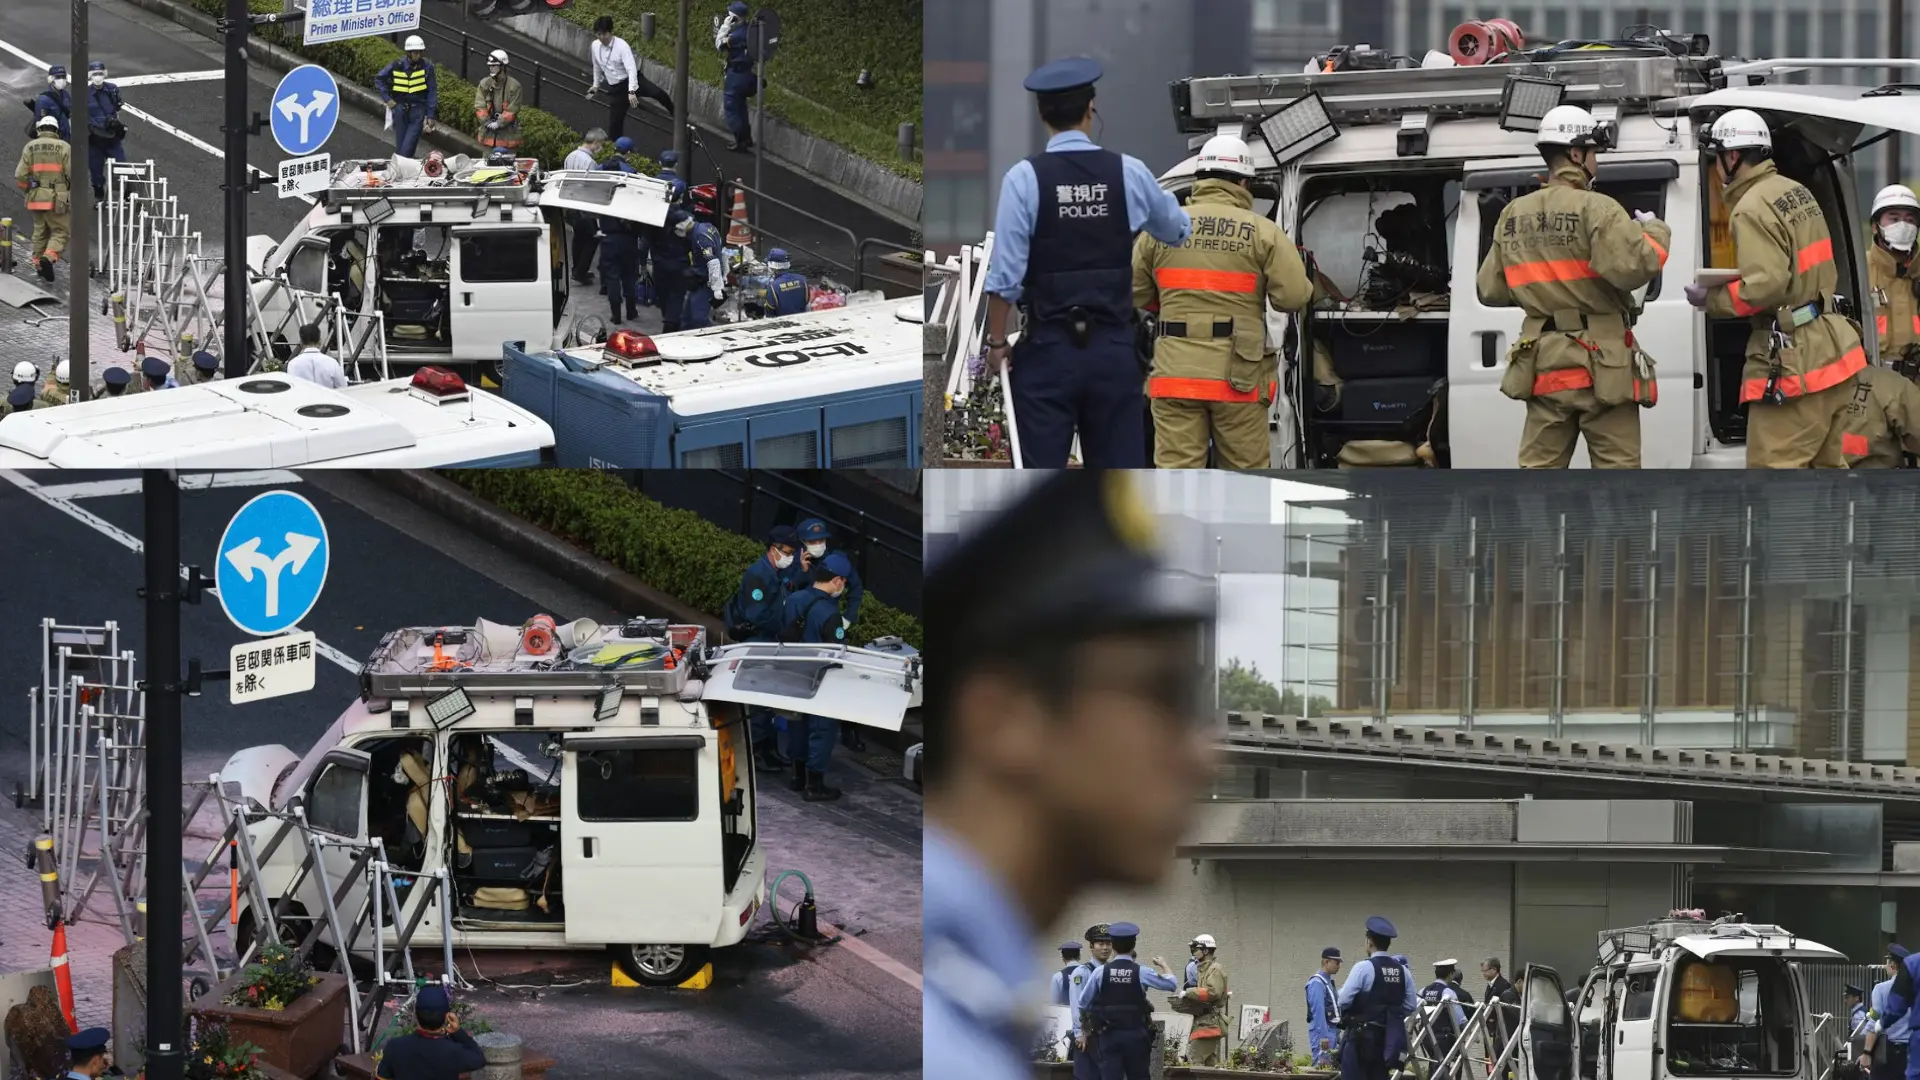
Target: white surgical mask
(781, 562)
(59, 84)
(1899, 235)
(97, 78)
(817, 550)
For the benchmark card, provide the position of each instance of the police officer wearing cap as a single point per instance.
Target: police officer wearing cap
(158, 374)
(88, 1053)
(1071, 975)
(753, 614)
(115, 380)
(812, 615)
(669, 166)
(19, 399)
(1888, 1026)
(789, 289)
(203, 367)
(1063, 253)
(1323, 1008)
(1449, 1019)
(1118, 1031)
(439, 1050)
(1375, 1002)
(1857, 1015)
(1100, 944)
(1104, 672)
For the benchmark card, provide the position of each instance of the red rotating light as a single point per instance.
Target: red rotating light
(631, 345)
(438, 381)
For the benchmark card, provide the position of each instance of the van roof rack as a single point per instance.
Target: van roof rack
(643, 656)
(1655, 936)
(468, 182)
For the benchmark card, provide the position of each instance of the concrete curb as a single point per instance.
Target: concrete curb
(897, 196)
(572, 565)
(279, 59)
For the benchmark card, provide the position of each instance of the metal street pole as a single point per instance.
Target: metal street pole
(1897, 47)
(234, 354)
(682, 141)
(80, 202)
(759, 110)
(160, 495)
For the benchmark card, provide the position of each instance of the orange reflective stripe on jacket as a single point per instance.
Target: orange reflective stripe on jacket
(1740, 306)
(1820, 251)
(1854, 445)
(1533, 273)
(1211, 280)
(1553, 382)
(1658, 248)
(1820, 378)
(1880, 324)
(1206, 1033)
(1204, 390)
(48, 166)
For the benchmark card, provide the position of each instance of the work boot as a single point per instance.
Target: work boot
(46, 268)
(633, 313)
(770, 760)
(799, 781)
(817, 789)
(853, 740)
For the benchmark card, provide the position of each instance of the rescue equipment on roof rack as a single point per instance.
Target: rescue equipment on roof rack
(538, 637)
(1480, 41)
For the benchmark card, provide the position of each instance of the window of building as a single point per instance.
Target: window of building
(1833, 34)
(500, 255)
(1421, 35)
(1266, 15)
(1313, 13)
(1693, 20)
(1763, 23)
(639, 785)
(1556, 24)
(1726, 36)
(1590, 23)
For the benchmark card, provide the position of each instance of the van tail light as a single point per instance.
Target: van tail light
(747, 912)
(631, 345)
(438, 381)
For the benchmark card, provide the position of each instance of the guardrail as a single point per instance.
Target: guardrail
(856, 247)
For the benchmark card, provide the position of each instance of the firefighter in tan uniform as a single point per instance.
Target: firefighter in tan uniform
(1571, 259)
(1206, 1002)
(1881, 421)
(45, 173)
(1213, 377)
(1895, 280)
(1803, 354)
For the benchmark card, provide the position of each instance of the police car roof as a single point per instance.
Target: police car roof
(771, 361)
(272, 421)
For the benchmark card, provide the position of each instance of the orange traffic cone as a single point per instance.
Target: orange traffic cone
(62, 977)
(738, 235)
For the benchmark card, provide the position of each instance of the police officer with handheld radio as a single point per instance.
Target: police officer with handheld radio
(1118, 1013)
(1375, 1002)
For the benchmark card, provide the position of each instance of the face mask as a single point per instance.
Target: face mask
(781, 562)
(816, 550)
(1899, 235)
(59, 84)
(683, 228)
(98, 78)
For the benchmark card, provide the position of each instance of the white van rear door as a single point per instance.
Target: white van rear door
(630, 196)
(872, 689)
(1784, 946)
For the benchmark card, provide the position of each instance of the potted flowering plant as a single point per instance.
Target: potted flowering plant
(214, 1054)
(280, 1005)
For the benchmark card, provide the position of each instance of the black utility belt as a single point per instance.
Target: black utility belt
(1222, 328)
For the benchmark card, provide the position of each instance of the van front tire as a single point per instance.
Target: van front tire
(660, 965)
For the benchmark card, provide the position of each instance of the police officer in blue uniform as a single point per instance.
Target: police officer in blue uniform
(106, 134)
(753, 614)
(705, 276)
(669, 166)
(1100, 944)
(20, 399)
(812, 615)
(789, 289)
(1375, 1002)
(620, 247)
(1449, 1019)
(1857, 1015)
(439, 1050)
(672, 262)
(87, 1052)
(622, 146)
(1119, 1024)
(158, 373)
(1104, 661)
(1892, 1027)
(1193, 965)
(1063, 252)
(817, 540)
(739, 83)
(1323, 1008)
(117, 379)
(57, 101)
(1072, 974)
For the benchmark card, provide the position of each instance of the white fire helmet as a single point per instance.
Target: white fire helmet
(1204, 941)
(1891, 196)
(1741, 129)
(25, 372)
(497, 56)
(62, 372)
(1227, 154)
(414, 43)
(1569, 125)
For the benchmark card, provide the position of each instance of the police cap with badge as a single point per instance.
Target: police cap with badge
(85, 1045)
(1098, 932)
(1064, 76)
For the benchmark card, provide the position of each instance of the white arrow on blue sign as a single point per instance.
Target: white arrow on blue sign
(306, 106)
(272, 563)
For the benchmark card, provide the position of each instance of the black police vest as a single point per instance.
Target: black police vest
(1066, 984)
(1121, 1001)
(1443, 1019)
(1386, 997)
(1082, 250)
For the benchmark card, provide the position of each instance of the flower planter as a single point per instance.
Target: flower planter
(360, 1066)
(1200, 1071)
(297, 1039)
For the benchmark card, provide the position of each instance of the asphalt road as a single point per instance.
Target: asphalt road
(846, 1010)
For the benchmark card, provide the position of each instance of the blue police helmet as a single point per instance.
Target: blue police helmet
(21, 397)
(1072, 73)
(433, 998)
(97, 66)
(1331, 952)
(91, 1041)
(116, 376)
(623, 145)
(738, 7)
(1123, 929)
(154, 368)
(1380, 927)
(205, 361)
(837, 565)
(781, 534)
(57, 71)
(813, 530)
(1070, 946)
(777, 259)
(669, 158)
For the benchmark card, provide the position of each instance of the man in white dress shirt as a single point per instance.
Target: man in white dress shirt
(315, 366)
(615, 69)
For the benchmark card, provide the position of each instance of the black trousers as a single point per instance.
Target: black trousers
(617, 105)
(585, 243)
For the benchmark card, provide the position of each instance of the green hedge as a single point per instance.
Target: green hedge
(543, 135)
(824, 45)
(676, 551)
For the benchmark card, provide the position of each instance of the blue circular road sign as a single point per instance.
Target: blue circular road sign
(272, 563)
(305, 108)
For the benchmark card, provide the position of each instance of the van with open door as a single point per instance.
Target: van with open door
(1677, 999)
(1392, 175)
(580, 786)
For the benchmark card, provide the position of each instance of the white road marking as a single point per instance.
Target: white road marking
(132, 543)
(102, 489)
(177, 77)
(154, 121)
(874, 956)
